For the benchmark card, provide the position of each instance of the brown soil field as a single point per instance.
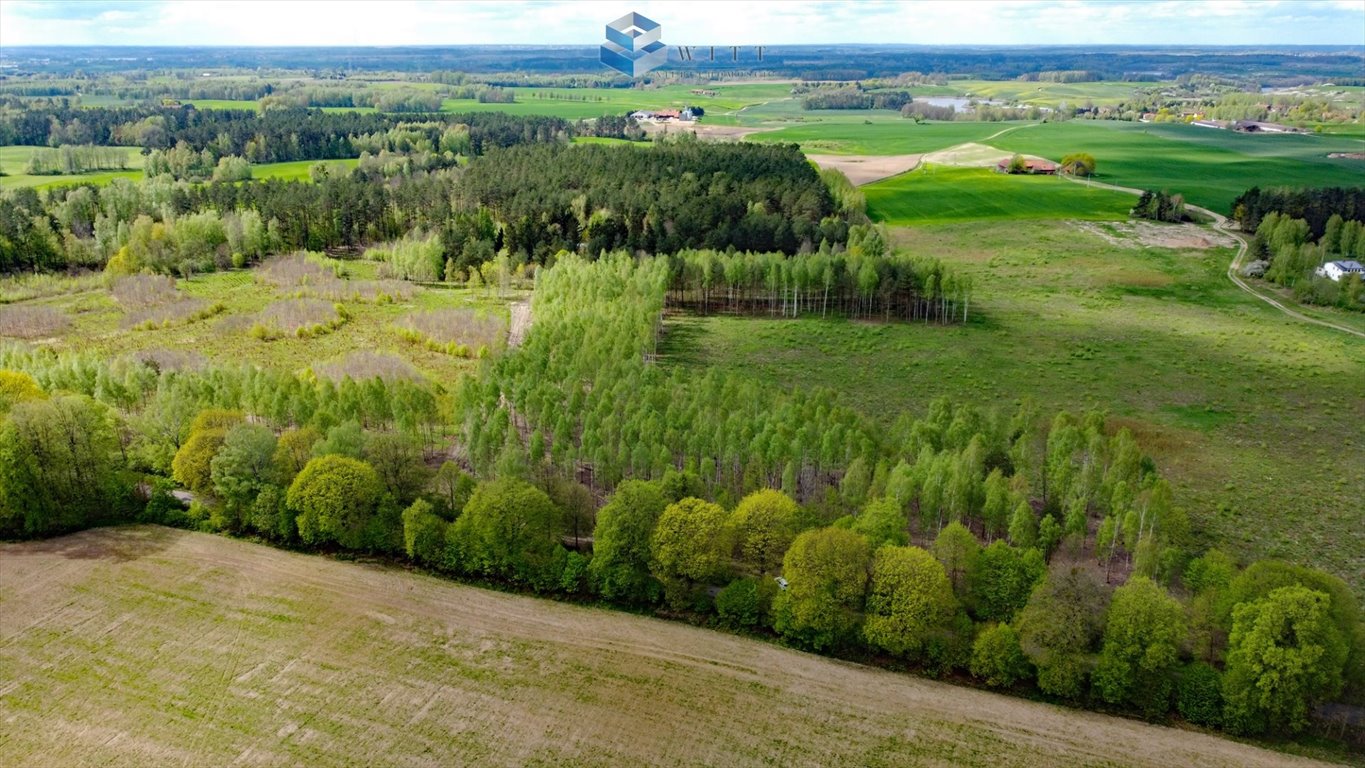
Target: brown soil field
(702, 130)
(865, 169)
(150, 646)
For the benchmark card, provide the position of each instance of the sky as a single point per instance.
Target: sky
(693, 22)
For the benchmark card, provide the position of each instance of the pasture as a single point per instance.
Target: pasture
(936, 193)
(152, 646)
(1209, 167)
(98, 323)
(1246, 410)
(14, 160)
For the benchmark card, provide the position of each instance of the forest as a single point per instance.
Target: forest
(961, 541)
(532, 202)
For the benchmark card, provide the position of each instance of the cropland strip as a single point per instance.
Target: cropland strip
(152, 646)
(865, 169)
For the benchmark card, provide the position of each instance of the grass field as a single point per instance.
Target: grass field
(883, 135)
(1049, 94)
(1209, 167)
(98, 325)
(942, 193)
(1255, 417)
(152, 646)
(244, 105)
(13, 160)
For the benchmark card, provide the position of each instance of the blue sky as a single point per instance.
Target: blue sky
(732, 22)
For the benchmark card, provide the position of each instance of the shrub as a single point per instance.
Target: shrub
(33, 322)
(459, 332)
(739, 604)
(1199, 697)
(301, 318)
(997, 658)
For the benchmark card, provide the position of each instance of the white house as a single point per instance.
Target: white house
(1335, 270)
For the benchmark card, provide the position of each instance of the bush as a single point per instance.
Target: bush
(1199, 697)
(575, 578)
(997, 658)
(739, 605)
(423, 534)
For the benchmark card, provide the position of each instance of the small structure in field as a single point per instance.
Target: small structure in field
(1046, 167)
(1257, 126)
(1210, 124)
(1336, 270)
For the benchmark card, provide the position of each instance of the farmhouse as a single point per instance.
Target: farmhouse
(1257, 126)
(1336, 270)
(1030, 166)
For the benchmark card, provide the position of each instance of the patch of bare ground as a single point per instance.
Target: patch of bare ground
(151, 646)
(701, 130)
(865, 169)
(972, 155)
(521, 323)
(1150, 234)
(1347, 155)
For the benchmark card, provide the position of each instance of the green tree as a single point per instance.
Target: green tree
(997, 658)
(827, 572)
(335, 499)
(59, 466)
(740, 604)
(1049, 535)
(909, 599)
(1023, 526)
(243, 467)
(691, 545)
(1063, 619)
(1284, 656)
(621, 543)
(1002, 580)
(957, 549)
(765, 523)
(192, 465)
(1141, 647)
(511, 530)
(424, 533)
(293, 450)
(1079, 164)
(882, 522)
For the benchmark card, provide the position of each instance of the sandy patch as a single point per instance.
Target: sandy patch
(972, 155)
(1347, 155)
(1149, 234)
(865, 169)
(702, 130)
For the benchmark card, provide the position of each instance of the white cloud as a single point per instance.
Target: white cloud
(742, 22)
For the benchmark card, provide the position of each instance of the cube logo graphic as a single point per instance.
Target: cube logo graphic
(632, 46)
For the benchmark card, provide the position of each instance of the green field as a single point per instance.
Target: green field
(1247, 411)
(97, 325)
(13, 160)
(223, 104)
(1209, 167)
(1049, 94)
(142, 645)
(580, 103)
(943, 193)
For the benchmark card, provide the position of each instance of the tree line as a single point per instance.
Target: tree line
(1315, 206)
(269, 136)
(1288, 254)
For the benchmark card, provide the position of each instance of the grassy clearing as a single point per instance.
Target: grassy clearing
(298, 170)
(1049, 94)
(942, 193)
(1209, 167)
(241, 105)
(13, 160)
(1254, 416)
(151, 646)
(97, 319)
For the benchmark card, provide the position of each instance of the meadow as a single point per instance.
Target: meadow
(1247, 411)
(943, 193)
(97, 324)
(147, 645)
(1209, 167)
(13, 159)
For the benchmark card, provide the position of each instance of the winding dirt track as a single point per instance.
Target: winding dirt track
(152, 646)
